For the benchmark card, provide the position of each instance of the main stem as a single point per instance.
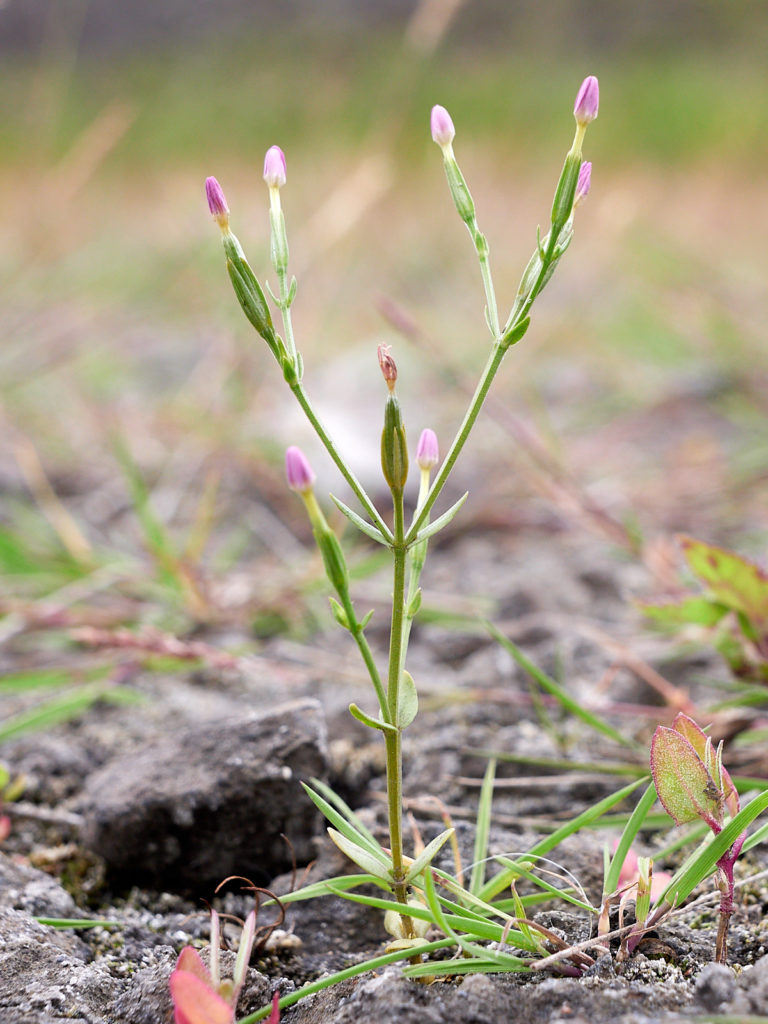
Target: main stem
(393, 740)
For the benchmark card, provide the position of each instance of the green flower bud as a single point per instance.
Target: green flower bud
(394, 448)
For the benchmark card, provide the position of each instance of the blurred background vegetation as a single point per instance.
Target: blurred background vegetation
(142, 418)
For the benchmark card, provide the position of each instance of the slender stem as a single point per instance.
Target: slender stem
(366, 653)
(393, 740)
(349, 476)
(491, 368)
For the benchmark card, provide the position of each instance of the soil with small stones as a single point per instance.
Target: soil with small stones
(133, 813)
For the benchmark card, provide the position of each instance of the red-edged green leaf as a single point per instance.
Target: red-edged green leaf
(696, 611)
(195, 1003)
(731, 580)
(683, 784)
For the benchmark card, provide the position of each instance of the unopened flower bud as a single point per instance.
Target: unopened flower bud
(388, 367)
(298, 471)
(587, 101)
(441, 125)
(394, 448)
(274, 167)
(217, 203)
(426, 451)
(584, 182)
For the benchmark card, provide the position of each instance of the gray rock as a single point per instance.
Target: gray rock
(715, 987)
(210, 800)
(44, 976)
(26, 888)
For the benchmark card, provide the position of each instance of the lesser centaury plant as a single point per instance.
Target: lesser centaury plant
(395, 690)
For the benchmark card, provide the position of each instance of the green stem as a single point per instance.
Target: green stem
(393, 740)
(367, 656)
(491, 368)
(349, 476)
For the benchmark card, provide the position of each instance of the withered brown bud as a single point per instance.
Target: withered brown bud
(387, 364)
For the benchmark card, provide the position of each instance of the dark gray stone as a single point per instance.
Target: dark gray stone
(210, 800)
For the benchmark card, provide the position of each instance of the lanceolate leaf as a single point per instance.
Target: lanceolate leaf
(427, 855)
(361, 857)
(441, 521)
(367, 528)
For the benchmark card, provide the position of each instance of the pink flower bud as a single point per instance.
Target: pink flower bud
(298, 471)
(387, 364)
(426, 451)
(587, 101)
(584, 182)
(441, 125)
(217, 203)
(274, 167)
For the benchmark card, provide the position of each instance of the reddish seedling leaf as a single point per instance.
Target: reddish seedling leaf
(684, 786)
(191, 961)
(731, 580)
(195, 1003)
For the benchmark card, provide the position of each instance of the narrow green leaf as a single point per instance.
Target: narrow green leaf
(427, 855)
(501, 880)
(482, 829)
(361, 856)
(367, 528)
(628, 837)
(76, 922)
(372, 723)
(342, 816)
(557, 691)
(441, 521)
(684, 882)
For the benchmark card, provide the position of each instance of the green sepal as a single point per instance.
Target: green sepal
(459, 190)
(441, 521)
(372, 723)
(394, 447)
(338, 613)
(408, 700)
(427, 855)
(252, 300)
(359, 522)
(291, 292)
(278, 241)
(333, 559)
(360, 856)
(414, 605)
(565, 192)
(516, 333)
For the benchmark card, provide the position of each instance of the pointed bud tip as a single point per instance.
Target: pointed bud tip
(274, 167)
(427, 454)
(587, 101)
(217, 202)
(441, 126)
(298, 471)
